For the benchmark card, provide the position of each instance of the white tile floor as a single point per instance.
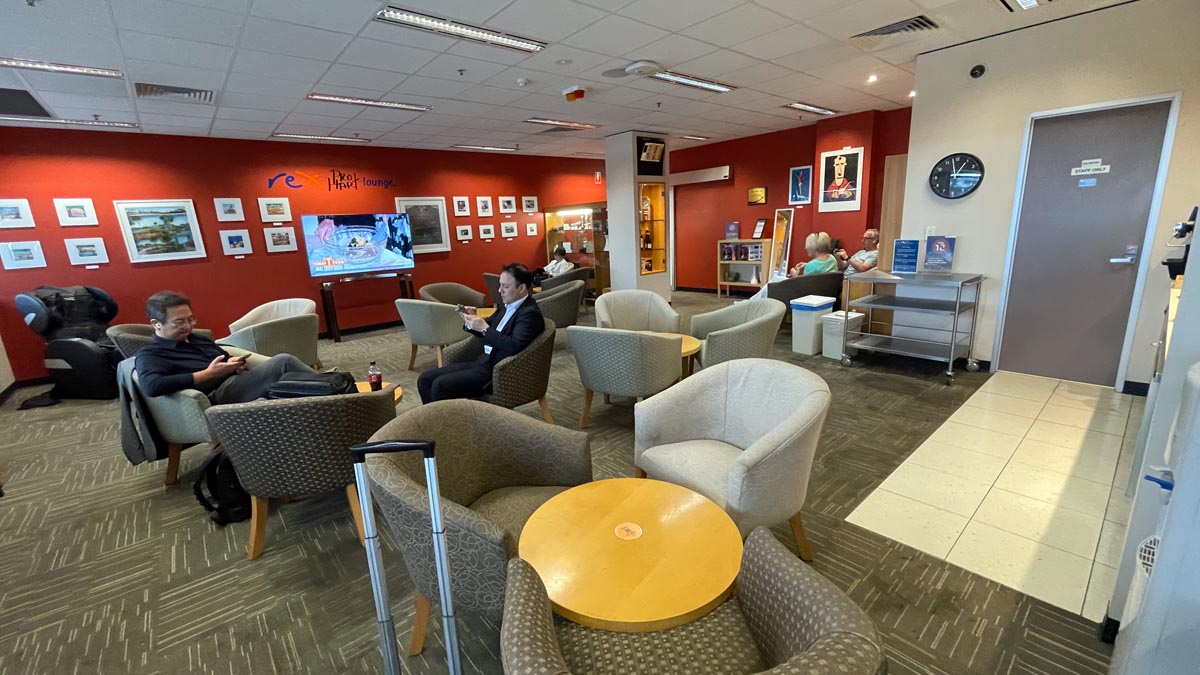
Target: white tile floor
(1024, 484)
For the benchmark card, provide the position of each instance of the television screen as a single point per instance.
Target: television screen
(357, 243)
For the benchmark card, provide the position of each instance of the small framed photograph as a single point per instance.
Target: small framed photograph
(530, 229)
(229, 209)
(275, 209)
(463, 232)
(236, 242)
(483, 206)
(487, 231)
(529, 204)
(508, 205)
(462, 206)
(508, 229)
(22, 255)
(89, 251)
(800, 185)
(280, 239)
(75, 211)
(160, 229)
(15, 213)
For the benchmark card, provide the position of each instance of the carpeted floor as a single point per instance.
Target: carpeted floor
(103, 570)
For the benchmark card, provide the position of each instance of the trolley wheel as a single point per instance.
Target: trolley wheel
(973, 365)
(845, 361)
(949, 379)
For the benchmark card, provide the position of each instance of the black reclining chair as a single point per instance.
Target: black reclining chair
(72, 320)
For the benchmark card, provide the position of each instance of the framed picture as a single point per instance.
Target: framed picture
(487, 231)
(463, 232)
(22, 255)
(781, 243)
(15, 213)
(427, 218)
(756, 196)
(89, 251)
(236, 242)
(229, 209)
(75, 211)
(275, 209)
(529, 204)
(758, 228)
(530, 229)
(508, 229)
(483, 206)
(508, 205)
(800, 185)
(841, 178)
(160, 229)
(280, 239)
(462, 206)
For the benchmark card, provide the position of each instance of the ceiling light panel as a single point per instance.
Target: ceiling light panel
(52, 120)
(353, 100)
(489, 148)
(695, 138)
(694, 82)
(463, 31)
(314, 137)
(562, 123)
(45, 66)
(810, 108)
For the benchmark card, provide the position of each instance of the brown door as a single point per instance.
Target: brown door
(1089, 188)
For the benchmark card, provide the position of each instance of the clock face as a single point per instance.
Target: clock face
(956, 176)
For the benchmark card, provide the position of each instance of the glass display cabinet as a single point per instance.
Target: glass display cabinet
(581, 229)
(652, 227)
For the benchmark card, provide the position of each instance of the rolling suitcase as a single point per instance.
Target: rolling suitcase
(383, 611)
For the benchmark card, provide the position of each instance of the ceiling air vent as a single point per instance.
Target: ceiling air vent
(165, 92)
(908, 28)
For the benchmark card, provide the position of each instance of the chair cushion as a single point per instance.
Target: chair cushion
(701, 465)
(719, 643)
(510, 507)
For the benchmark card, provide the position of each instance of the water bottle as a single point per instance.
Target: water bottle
(375, 377)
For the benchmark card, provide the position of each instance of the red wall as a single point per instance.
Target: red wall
(701, 210)
(41, 165)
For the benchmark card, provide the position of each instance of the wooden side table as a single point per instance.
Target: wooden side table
(364, 387)
(690, 347)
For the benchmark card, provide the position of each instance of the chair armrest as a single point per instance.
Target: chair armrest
(253, 360)
(863, 657)
(528, 642)
(709, 322)
(752, 339)
(463, 350)
(533, 453)
(295, 335)
(180, 416)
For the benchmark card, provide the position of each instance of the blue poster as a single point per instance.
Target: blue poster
(939, 254)
(731, 230)
(904, 255)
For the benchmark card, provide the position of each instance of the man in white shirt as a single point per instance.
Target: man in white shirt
(504, 334)
(560, 264)
(866, 259)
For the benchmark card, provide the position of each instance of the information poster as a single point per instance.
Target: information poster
(939, 254)
(904, 255)
(731, 230)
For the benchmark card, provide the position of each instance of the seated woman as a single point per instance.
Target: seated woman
(820, 248)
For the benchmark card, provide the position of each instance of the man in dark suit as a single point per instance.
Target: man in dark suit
(504, 334)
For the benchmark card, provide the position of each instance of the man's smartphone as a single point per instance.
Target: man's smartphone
(461, 309)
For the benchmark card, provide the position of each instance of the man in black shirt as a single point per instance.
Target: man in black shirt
(179, 359)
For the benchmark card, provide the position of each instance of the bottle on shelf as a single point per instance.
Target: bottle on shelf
(375, 377)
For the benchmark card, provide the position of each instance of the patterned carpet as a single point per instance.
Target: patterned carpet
(103, 570)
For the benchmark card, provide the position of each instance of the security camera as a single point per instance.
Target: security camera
(978, 71)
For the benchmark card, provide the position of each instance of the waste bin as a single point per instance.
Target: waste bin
(806, 322)
(831, 344)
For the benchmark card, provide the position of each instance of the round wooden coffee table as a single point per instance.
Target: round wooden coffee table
(691, 347)
(363, 387)
(633, 555)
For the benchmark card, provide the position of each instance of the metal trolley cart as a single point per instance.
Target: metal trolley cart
(966, 289)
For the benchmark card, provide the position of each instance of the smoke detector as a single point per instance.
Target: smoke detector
(643, 68)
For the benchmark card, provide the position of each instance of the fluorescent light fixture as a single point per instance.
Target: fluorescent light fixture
(872, 78)
(366, 101)
(314, 137)
(48, 67)
(912, 94)
(810, 108)
(694, 82)
(585, 154)
(562, 123)
(489, 148)
(433, 24)
(54, 120)
(1027, 4)
(695, 138)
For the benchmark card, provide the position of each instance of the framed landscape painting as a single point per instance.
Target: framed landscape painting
(75, 211)
(22, 255)
(88, 251)
(427, 219)
(280, 239)
(236, 242)
(275, 209)
(229, 209)
(161, 229)
(15, 213)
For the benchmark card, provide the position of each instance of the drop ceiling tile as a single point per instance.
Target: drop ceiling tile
(736, 25)
(854, 72)
(314, 120)
(243, 125)
(906, 53)
(354, 91)
(238, 6)
(157, 48)
(177, 76)
(788, 86)
(374, 126)
(492, 95)
(100, 49)
(411, 37)
(428, 86)
(621, 96)
(111, 103)
(547, 60)
(475, 11)
(716, 64)
(654, 85)
(489, 53)
(862, 16)
(257, 101)
(535, 81)
(934, 4)
(239, 135)
(170, 130)
(545, 20)
(310, 129)
(782, 42)
(815, 58)
(343, 16)
(175, 120)
(465, 108)
(162, 17)
(250, 115)
(363, 78)
(616, 35)
(673, 16)
(284, 38)
(82, 12)
(671, 50)
(255, 84)
(754, 74)
(388, 115)
(385, 56)
(88, 112)
(278, 65)
(801, 11)
(9, 79)
(342, 110)
(446, 66)
(156, 107)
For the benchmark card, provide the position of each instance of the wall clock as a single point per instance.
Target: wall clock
(956, 176)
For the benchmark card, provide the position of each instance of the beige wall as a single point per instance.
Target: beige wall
(6, 373)
(1146, 48)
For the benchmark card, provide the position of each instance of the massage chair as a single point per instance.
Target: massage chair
(72, 320)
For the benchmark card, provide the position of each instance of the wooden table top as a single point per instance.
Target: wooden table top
(691, 345)
(633, 555)
(364, 386)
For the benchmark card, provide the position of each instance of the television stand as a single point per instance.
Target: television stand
(327, 301)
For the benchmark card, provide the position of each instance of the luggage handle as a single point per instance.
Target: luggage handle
(359, 452)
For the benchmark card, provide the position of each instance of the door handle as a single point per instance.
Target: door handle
(1124, 260)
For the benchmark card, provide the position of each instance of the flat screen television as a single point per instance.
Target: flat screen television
(359, 243)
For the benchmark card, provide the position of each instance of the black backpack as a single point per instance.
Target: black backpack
(299, 385)
(229, 503)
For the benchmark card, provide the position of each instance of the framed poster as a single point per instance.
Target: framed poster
(236, 242)
(22, 255)
(487, 231)
(427, 220)
(508, 205)
(939, 253)
(781, 243)
(160, 229)
(275, 209)
(508, 229)
(483, 206)
(841, 177)
(463, 232)
(75, 211)
(280, 239)
(758, 228)
(15, 213)
(529, 204)
(229, 209)
(530, 229)
(89, 251)
(800, 185)
(904, 255)
(462, 206)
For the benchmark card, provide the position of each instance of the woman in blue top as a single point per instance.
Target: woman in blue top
(820, 248)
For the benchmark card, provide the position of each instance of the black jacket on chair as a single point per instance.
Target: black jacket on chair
(525, 325)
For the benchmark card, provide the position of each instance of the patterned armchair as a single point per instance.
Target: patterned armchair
(561, 304)
(743, 330)
(623, 363)
(786, 620)
(430, 324)
(742, 433)
(131, 337)
(577, 274)
(492, 281)
(450, 293)
(636, 310)
(516, 380)
(495, 468)
(298, 447)
(279, 327)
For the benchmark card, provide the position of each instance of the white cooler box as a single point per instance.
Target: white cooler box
(806, 322)
(832, 343)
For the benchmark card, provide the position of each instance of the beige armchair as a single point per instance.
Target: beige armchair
(743, 330)
(623, 363)
(492, 281)
(430, 324)
(450, 293)
(298, 447)
(495, 468)
(131, 337)
(561, 304)
(636, 310)
(279, 327)
(742, 433)
(519, 379)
